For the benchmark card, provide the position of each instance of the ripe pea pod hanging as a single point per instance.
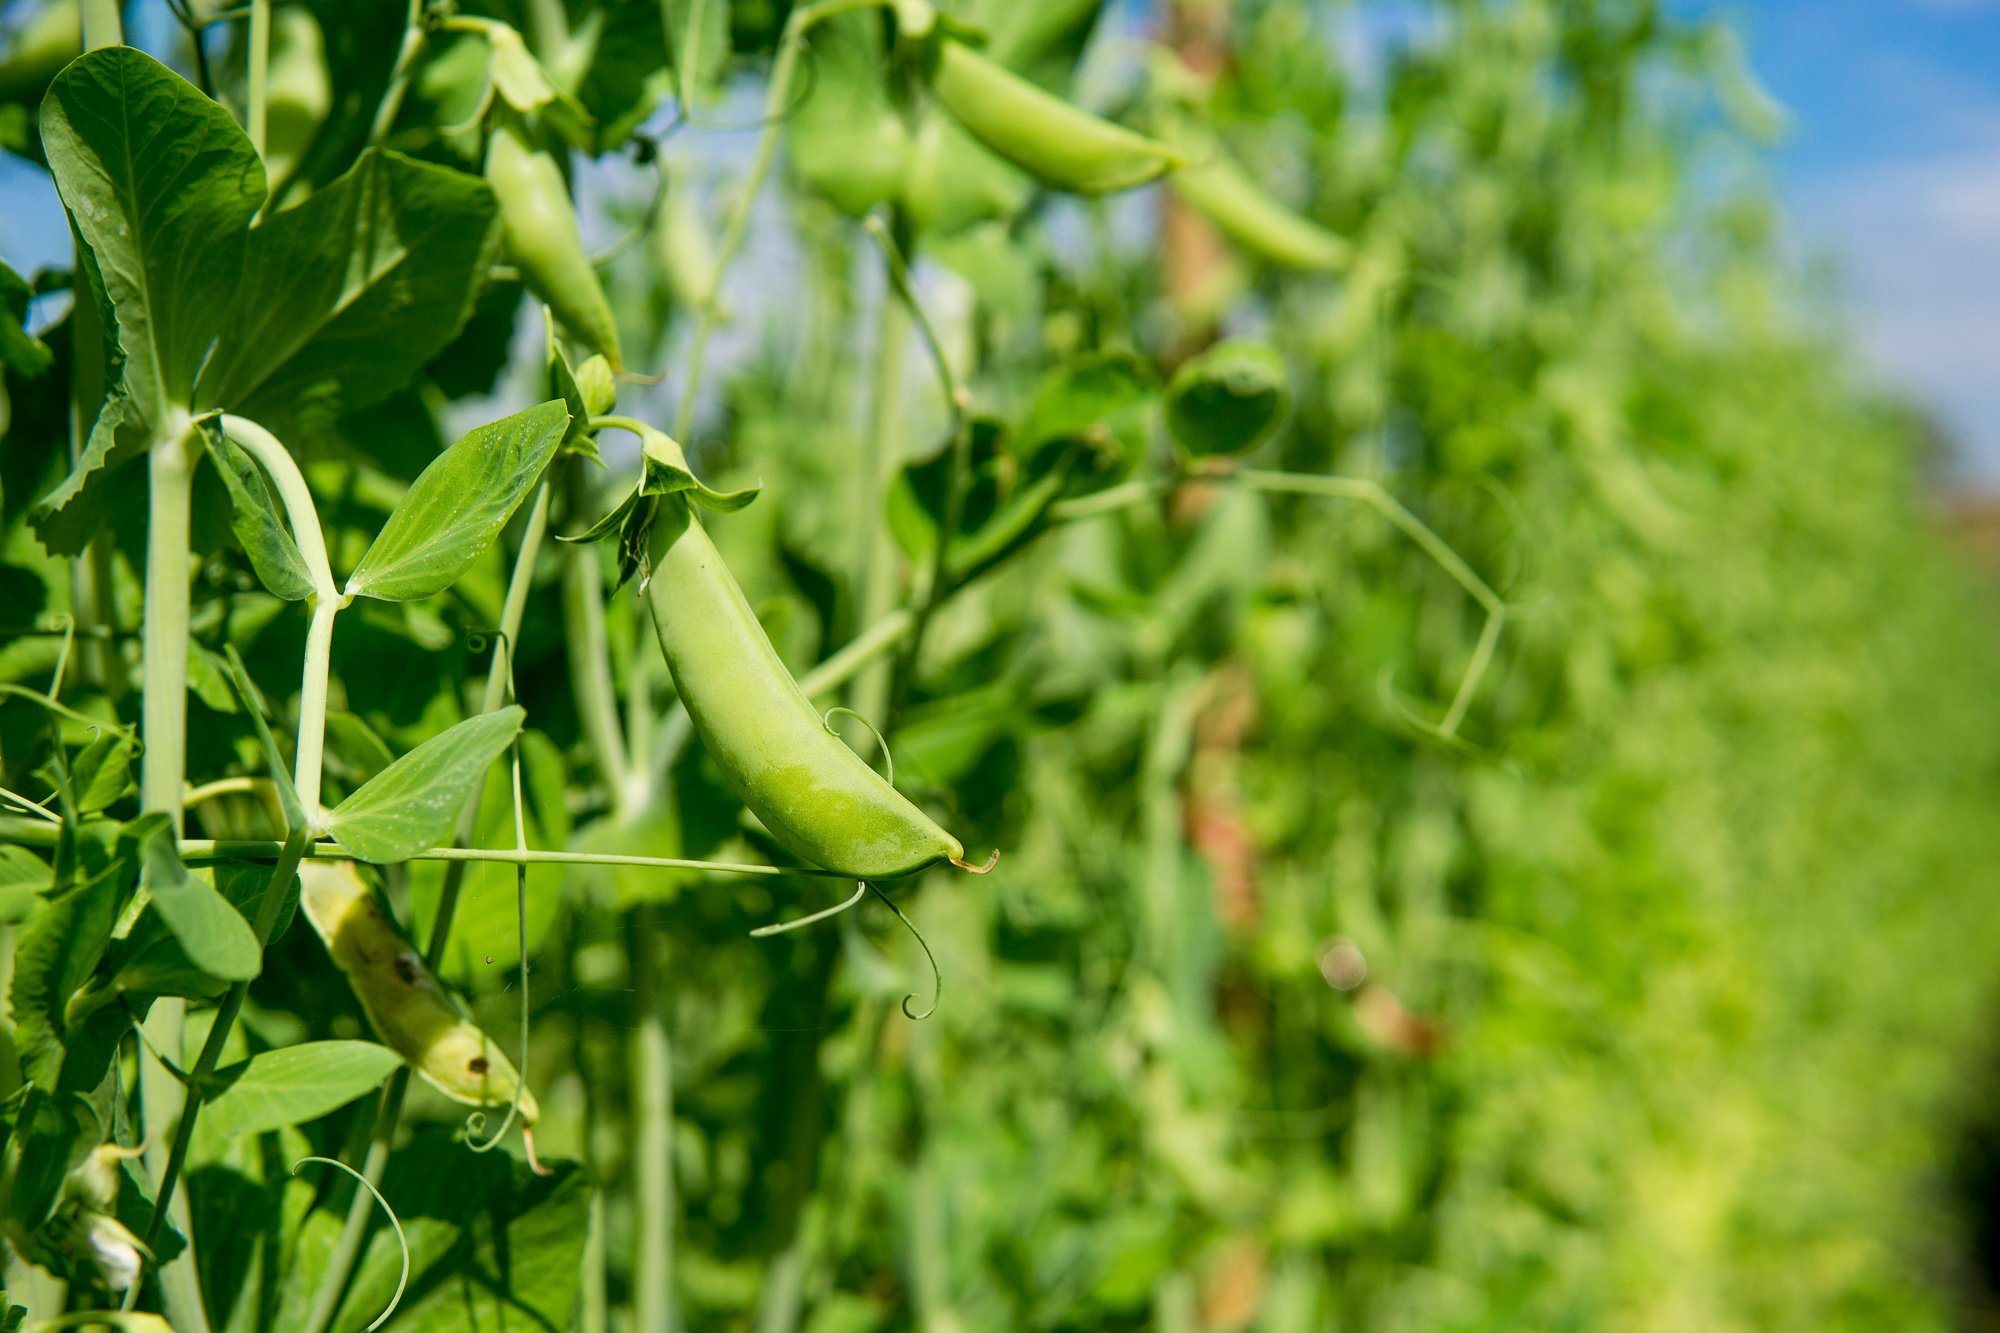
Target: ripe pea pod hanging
(542, 237)
(410, 1010)
(816, 796)
(1063, 145)
(1214, 185)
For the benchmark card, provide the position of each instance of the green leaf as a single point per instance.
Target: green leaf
(492, 1247)
(346, 296)
(1100, 405)
(413, 803)
(458, 505)
(162, 185)
(101, 772)
(1228, 400)
(667, 473)
(246, 694)
(295, 1084)
(577, 436)
(53, 958)
(66, 517)
(23, 877)
(20, 351)
(254, 520)
(214, 934)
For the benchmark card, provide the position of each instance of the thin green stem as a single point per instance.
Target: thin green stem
(103, 25)
(1375, 497)
(875, 559)
(307, 535)
(590, 668)
(312, 708)
(260, 73)
(268, 910)
(163, 720)
(197, 851)
(777, 101)
(326, 1301)
(405, 69)
(163, 713)
(857, 653)
(958, 402)
(652, 1075)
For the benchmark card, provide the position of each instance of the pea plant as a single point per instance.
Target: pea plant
(900, 824)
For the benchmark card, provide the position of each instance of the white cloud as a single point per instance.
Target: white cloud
(1920, 243)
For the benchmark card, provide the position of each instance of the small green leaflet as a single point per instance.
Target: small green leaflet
(295, 1084)
(254, 520)
(412, 804)
(20, 351)
(458, 505)
(214, 934)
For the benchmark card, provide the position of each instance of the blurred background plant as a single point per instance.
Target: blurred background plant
(1644, 984)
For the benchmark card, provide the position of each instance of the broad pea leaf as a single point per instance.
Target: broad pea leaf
(296, 1084)
(1228, 400)
(413, 803)
(162, 185)
(213, 933)
(492, 1246)
(344, 297)
(458, 505)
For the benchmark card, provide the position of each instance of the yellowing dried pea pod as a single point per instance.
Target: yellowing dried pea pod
(410, 1010)
(1061, 144)
(539, 226)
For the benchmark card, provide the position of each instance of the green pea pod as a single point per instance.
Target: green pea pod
(540, 228)
(816, 796)
(410, 1010)
(1064, 146)
(1214, 185)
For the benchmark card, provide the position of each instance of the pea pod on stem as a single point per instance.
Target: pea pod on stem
(406, 1004)
(816, 796)
(1061, 144)
(539, 225)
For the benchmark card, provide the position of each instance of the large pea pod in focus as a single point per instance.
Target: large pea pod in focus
(539, 225)
(1063, 145)
(406, 1004)
(816, 796)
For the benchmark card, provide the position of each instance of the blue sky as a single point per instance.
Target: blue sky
(1890, 170)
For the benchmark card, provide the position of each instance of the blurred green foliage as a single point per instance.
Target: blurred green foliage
(1647, 999)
